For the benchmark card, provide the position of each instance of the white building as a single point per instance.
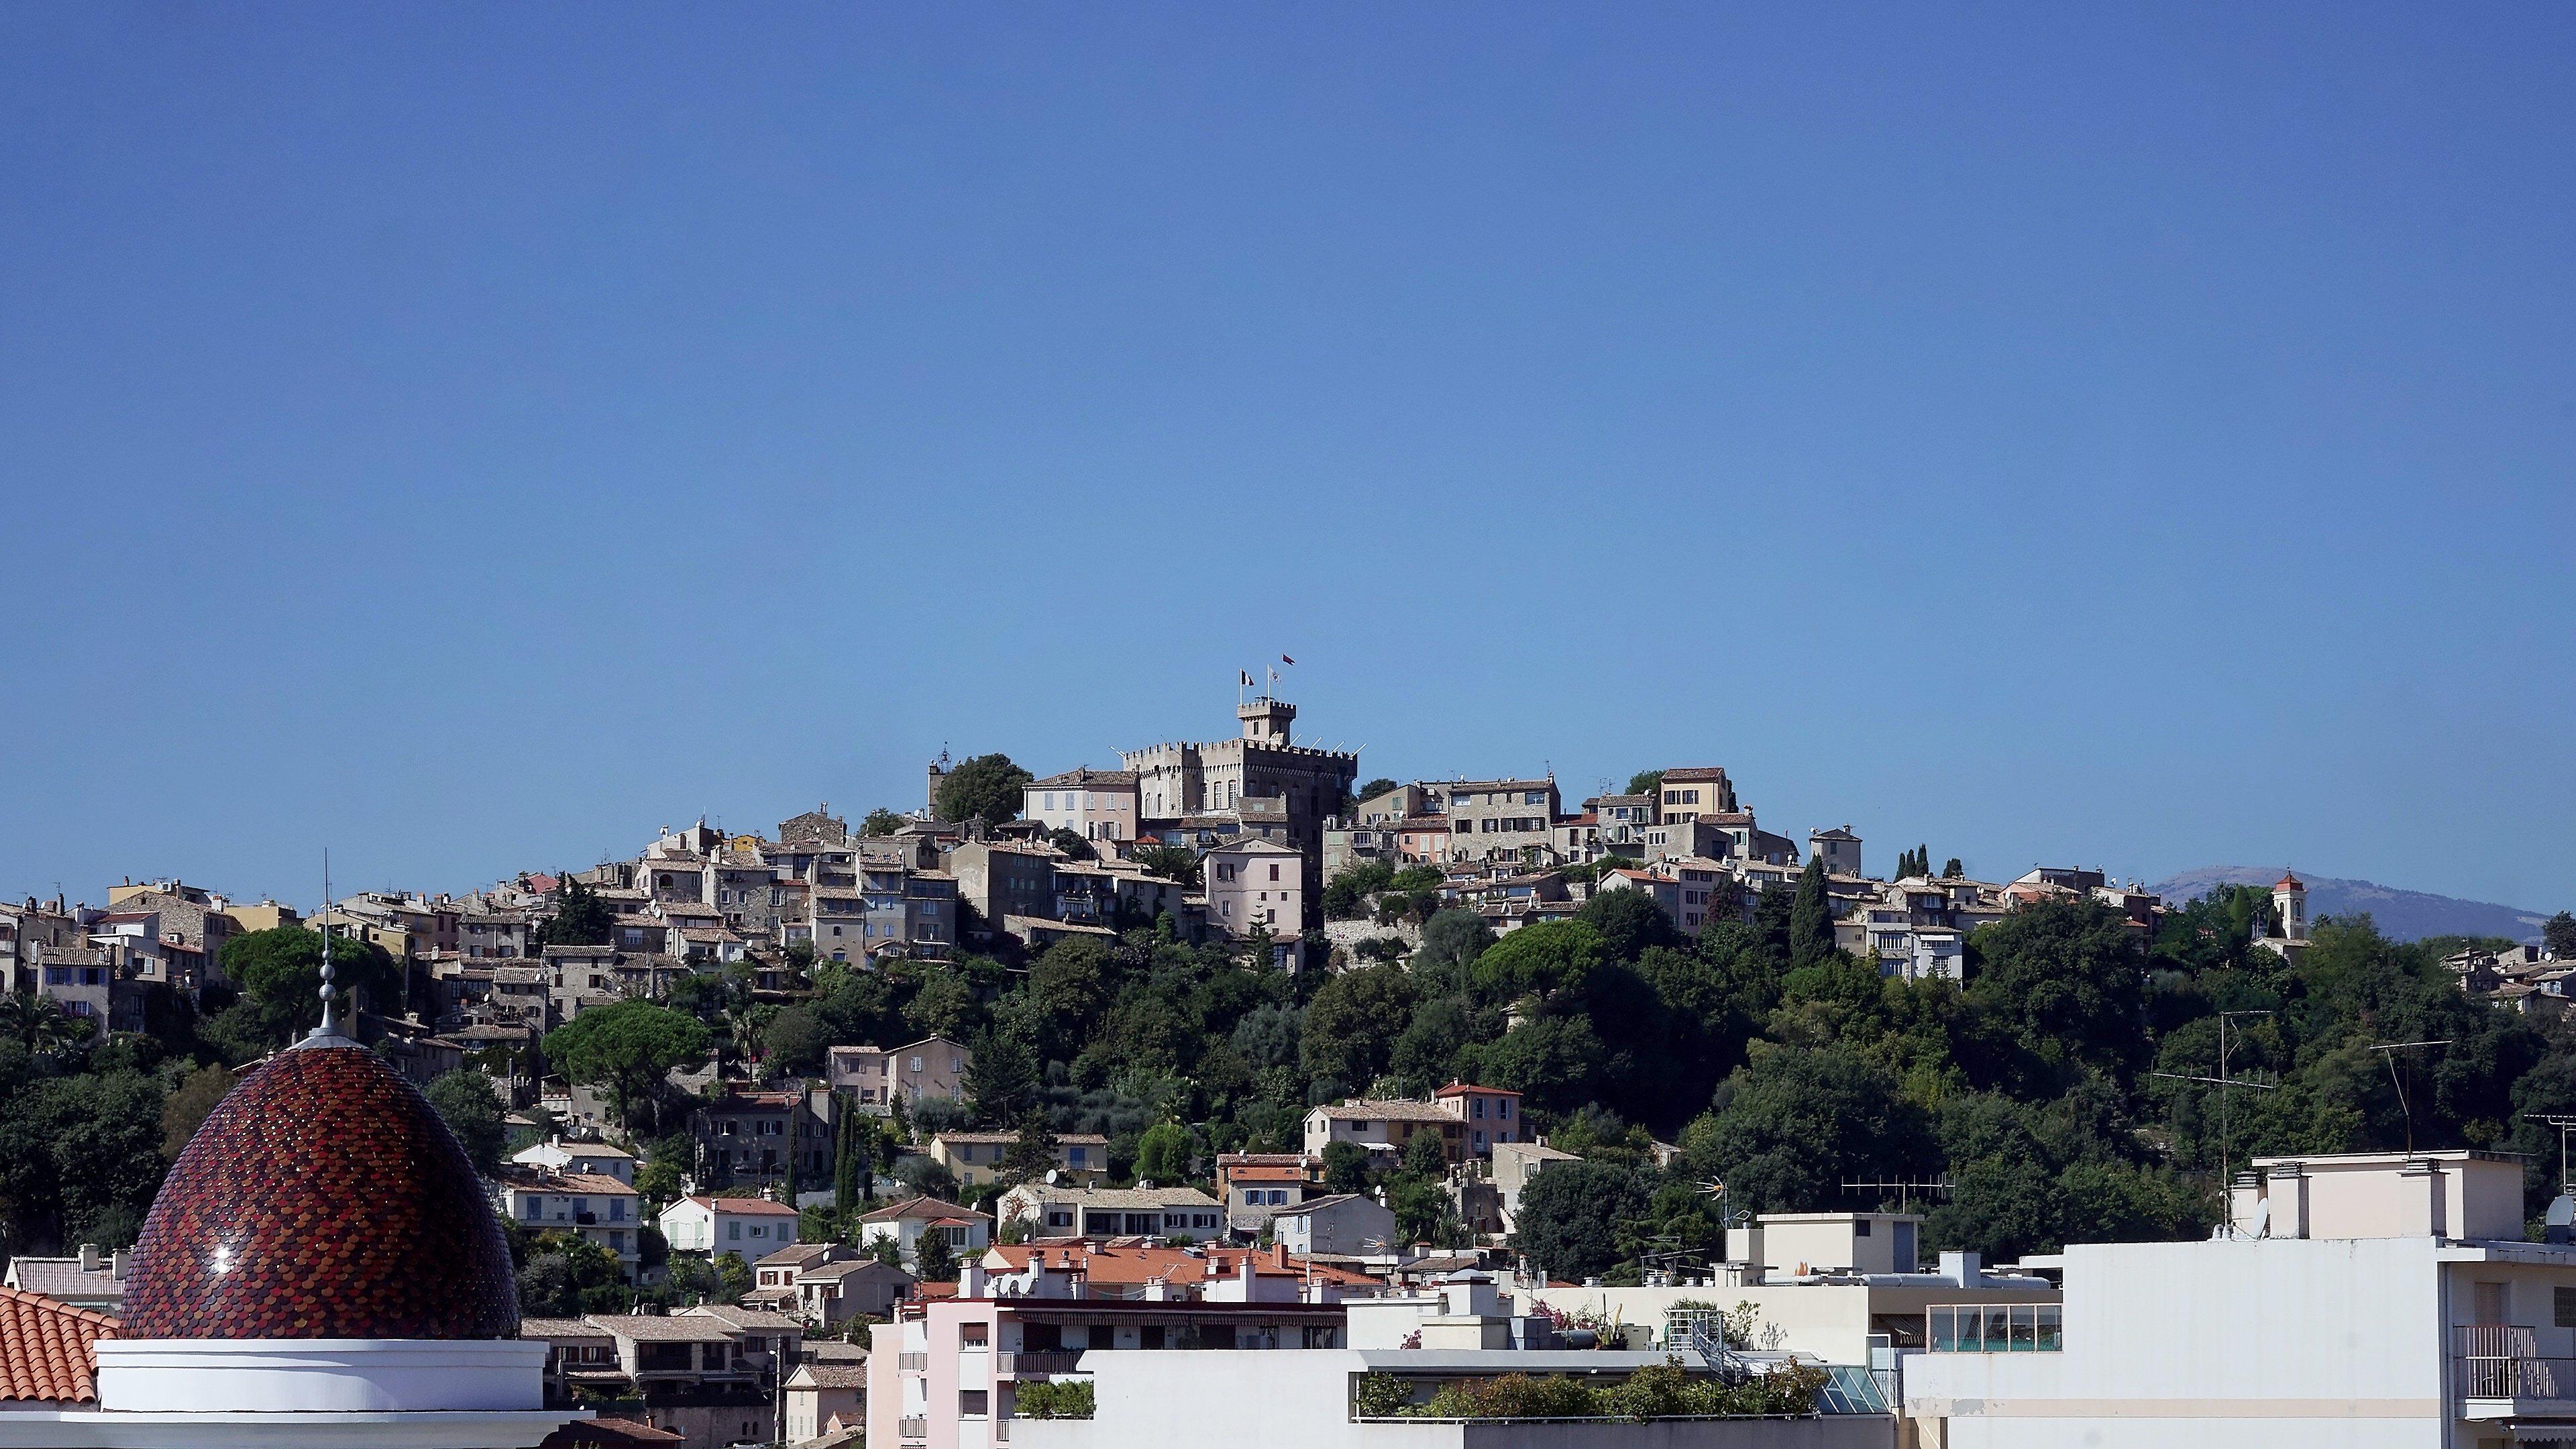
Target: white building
(752, 1226)
(593, 1206)
(2364, 1300)
(597, 1159)
(906, 1221)
(1054, 1211)
(1344, 1224)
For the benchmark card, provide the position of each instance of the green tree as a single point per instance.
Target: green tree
(935, 1257)
(1573, 1217)
(1547, 959)
(1451, 940)
(795, 1039)
(849, 1160)
(2065, 979)
(1791, 1127)
(188, 1106)
(1646, 782)
(1000, 1076)
(1629, 923)
(2558, 934)
(1345, 1167)
(41, 1025)
(581, 918)
(1373, 789)
(1171, 862)
(1953, 870)
(1163, 1154)
(627, 1047)
(985, 787)
(1073, 845)
(279, 971)
(1031, 1154)
(1811, 917)
(80, 1157)
(880, 821)
(1352, 1023)
(472, 1110)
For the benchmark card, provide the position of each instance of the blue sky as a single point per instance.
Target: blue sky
(472, 436)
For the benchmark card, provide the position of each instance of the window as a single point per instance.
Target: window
(733, 1232)
(970, 1402)
(2564, 1302)
(1503, 1107)
(1535, 797)
(972, 1335)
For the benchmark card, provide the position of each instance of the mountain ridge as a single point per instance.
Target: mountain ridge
(2401, 915)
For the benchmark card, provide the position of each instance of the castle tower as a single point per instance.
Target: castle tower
(1267, 720)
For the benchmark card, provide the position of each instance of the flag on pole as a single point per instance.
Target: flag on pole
(1247, 677)
(1284, 659)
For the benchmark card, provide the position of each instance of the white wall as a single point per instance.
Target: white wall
(2277, 1343)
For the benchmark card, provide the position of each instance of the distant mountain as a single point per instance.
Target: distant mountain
(2400, 915)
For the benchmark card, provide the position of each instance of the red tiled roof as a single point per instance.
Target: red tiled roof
(44, 1348)
(1457, 1088)
(610, 1434)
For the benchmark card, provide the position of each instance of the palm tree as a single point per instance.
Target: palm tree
(41, 1025)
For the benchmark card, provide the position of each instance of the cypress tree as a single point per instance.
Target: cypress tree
(1811, 918)
(845, 1161)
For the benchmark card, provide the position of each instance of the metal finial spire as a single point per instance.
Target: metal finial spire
(328, 1033)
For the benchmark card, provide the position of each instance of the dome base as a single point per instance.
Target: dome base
(397, 1376)
(98, 1429)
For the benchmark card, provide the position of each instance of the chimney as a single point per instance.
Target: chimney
(116, 1265)
(89, 1257)
(970, 1280)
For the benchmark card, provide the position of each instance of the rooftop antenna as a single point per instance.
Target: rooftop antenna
(2562, 1124)
(2392, 1048)
(2222, 1081)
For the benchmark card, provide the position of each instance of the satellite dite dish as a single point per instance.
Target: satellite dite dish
(2558, 1225)
(2262, 1224)
(1050, 1177)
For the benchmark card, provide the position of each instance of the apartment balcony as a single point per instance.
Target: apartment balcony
(912, 1363)
(912, 1428)
(1037, 1365)
(2501, 1374)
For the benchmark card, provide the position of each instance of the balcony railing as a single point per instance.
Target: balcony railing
(2503, 1361)
(912, 1428)
(1031, 1365)
(1996, 1328)
(911, 1362)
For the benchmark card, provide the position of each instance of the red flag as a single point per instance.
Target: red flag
(1284, 659)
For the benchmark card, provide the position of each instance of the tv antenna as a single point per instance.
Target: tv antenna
(2392, 1048)
(2562, 1123)
(1904, 1187)
(2222, 1081)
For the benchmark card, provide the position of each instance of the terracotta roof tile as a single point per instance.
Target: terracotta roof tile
(45, 1348)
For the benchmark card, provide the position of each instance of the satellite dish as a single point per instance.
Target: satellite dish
(1050, 1177)
(2558, 1225)
(2262, 1225)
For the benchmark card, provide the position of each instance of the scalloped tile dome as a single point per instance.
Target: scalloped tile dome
(322, 1198)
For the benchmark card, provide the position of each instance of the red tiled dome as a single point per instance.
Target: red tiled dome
(323, 1198)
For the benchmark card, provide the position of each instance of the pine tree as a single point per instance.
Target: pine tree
(1811, 917)
(1954, 870)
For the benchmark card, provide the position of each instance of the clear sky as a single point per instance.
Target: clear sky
(471, 436)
